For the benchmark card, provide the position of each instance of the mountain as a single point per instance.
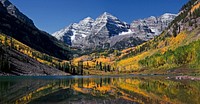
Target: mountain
(152, 26)
(12, 10)
(90, 33)
(76, 32)
(17, 25)
(26, 50)
(107, 31)
(105, 27)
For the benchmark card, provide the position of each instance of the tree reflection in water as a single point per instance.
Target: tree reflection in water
(130, 89)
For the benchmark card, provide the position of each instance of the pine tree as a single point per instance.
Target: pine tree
(108, 68)
(100, 65)
(175, 28)
(105, 68)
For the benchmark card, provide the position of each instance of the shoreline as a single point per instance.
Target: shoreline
(168, 76)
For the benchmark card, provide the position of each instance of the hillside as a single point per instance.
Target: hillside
(176, 50)
(26, 50)
(19, 59)
(21, 28)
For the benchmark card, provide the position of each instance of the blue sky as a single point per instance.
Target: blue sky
(52, 15)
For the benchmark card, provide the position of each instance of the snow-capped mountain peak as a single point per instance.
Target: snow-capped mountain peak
(110, 25)
(107, 15)
(90, 33)
(168, 16)
(75, 32)
(86, 20)
(104, 25)
(152, 26)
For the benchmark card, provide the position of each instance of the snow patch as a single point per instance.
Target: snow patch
(73, 37)
(83, 35)
(126, 33)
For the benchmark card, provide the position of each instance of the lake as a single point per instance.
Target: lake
(127, 89)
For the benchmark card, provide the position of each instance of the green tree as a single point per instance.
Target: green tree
(108, 68)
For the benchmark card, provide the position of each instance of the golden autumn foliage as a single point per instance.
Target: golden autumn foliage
(128, 60)
(131, 63)
(41, 57)
(196, 6)
(104, 59)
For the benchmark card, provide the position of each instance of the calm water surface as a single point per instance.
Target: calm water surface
(98, 90)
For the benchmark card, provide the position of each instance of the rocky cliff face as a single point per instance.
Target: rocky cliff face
(149, 27)
(90, 33)
(76, 32)
(107, 31)
(105, 27)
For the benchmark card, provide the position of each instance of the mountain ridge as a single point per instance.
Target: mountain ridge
(100, 32)
(29, 34)
(14, 11)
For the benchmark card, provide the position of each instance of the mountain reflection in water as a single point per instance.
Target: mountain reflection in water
(114, 90)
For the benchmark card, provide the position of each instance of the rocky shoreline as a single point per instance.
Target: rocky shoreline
(187, 77)
(184, 77)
